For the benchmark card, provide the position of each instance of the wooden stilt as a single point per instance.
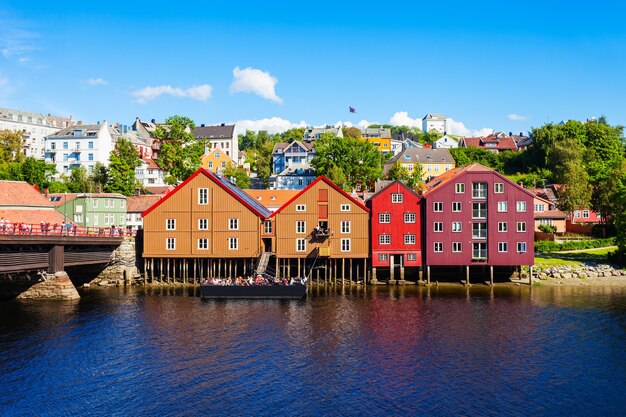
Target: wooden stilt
(530, 275)
(365, 271)
(491, 275)
(160, 269)
(343, 272)
(428, 275)
(299, 274)
(467, 278)
(277, 267)
(351, 271)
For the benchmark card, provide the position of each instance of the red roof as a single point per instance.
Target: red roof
(150, 163)
(140, 203)
(329, 182)
(503, 143)
(159, 189)
(20, 193)
(249, 205)
(34, 216)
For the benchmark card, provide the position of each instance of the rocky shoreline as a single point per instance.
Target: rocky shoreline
(586, 274)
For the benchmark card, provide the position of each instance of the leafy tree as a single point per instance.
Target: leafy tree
(100, 175)
(180, 153)
(352, 132)
(248, 140)
(239, 174)
(415, 178)
(468, 155)
(290, 135)
(567, 160)
(58, 187)
(336, 175)
(37, 172)
(397, 172)
(122, 163)
(78, 181)
(11, 142)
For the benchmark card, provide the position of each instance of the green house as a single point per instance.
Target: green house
(91, 210)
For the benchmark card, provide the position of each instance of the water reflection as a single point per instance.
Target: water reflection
(506, 350)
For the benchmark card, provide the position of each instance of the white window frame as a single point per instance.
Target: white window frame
(438, 206)
(498, 188)
(457, 227)
(411, 257)
(346, 244)
(301, 244)
(384, 239)
(95, 203)
(410, 217)
(457, 247)
(233, 223)
(345, 207)
(456, 206)
(384, 216)
(345, 227)
(410, 239)
(300, 227)
(233, 243)
(437, 225)
(503, 247)
(170, 224)
(203, 196)
(202, 226)
(586, 214)
(459, 188)
(521, 227)
(503, 227)
(438, 247)
(397, 198)
(521, 247)
(521, 206)
(203, 243)
(383, 257)
(170, 243)
(503, 206)
(300, 207)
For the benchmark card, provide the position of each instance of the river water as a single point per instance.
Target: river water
(383, 351)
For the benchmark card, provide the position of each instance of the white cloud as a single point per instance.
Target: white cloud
(459, 129)
(401, 118)
(255, 81)
(272, 125)
(517, 117)
(96, 81)
(200, 92)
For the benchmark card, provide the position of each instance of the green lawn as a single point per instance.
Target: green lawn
(556, 258)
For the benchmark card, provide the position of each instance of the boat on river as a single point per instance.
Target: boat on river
(294, 290)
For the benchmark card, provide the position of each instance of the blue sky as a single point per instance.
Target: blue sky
(500, 65)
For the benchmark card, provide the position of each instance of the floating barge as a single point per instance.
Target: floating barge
(294, 291)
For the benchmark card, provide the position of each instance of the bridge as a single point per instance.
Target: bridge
(40, 247)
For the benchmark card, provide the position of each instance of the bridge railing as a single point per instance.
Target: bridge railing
(45, 229)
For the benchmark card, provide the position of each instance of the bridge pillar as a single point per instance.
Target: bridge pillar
(56, 259)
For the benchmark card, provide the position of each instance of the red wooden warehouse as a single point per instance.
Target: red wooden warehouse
(477, 218)
(396, 238)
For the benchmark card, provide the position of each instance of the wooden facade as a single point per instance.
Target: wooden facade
(396, 232)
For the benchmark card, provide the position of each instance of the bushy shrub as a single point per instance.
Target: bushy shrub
(546, 228)
(548, 246)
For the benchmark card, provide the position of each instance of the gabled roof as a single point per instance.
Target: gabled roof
(140, 203)
(249, 202)
(21, 193)
(546, 193)
(222, 131)
(550, 214)
(159, 189)
(502, 141)
(60, 198)
(430, 116)
(423, 156)
(447, 177)
(391, 183)
(150, 163)
(301, 168)
(329, 182)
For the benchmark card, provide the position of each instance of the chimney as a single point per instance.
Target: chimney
(46, 192)
(223, 124)
(153, 121)
(521, 184)
(137, 191)
(202, 125)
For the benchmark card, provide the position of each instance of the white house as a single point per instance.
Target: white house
(34, 127)
(80, 145)
(437, 122)
(222, 136)
(149, 174)
(446, 142)
(312, 133)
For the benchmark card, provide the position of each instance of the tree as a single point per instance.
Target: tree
(397, 172)
(352, 132)
(11, 142)
(296, 133)
(566, 158)
(415, 178)
(239, 175)
(78, 181)
(336, 175)
(37, 172)
(100, 175)
(180, 153)
(122, 163)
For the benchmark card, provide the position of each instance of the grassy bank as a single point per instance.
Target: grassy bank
(598, 255)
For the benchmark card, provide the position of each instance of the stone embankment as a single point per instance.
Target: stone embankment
(122, 270)
(56, 286)
(601, 274)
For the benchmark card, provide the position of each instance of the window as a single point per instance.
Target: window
(479, 251)
(548, 222)
(540, 207)
(90, 157)
(384, 239)
(502, 226)
(382, 257)
(217, 154)
(521, 247)
(95, 203)
(65, 145)
(223, 164)
(384, 218)
(585, 214)
(456, 247)
(498, 188)
(411, 257)
(300, 227)
(479, 230)
(397, 198)
(300, 207)
(456, 226)
(459, 188)
(521, 206)
(577, 214)
(438, 226)
(409, 239)
(345, 245)
(438, 206)
(233, 243)
(203, 243)
(521, 226)
(301, 245)
(203, 224)
(108, 203)
(409, 217)
(90, 145)
(479, 210)
(170, 224)
(479, 190)
(268, 227)
(456, 206)
(345, 207)
(203, 196)
(210, 164)
(233, 224)
(503, 247)
(170, 243)
(345, 226)
(121, 203)
(78, 218)
(438, 247)
(502, 206)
